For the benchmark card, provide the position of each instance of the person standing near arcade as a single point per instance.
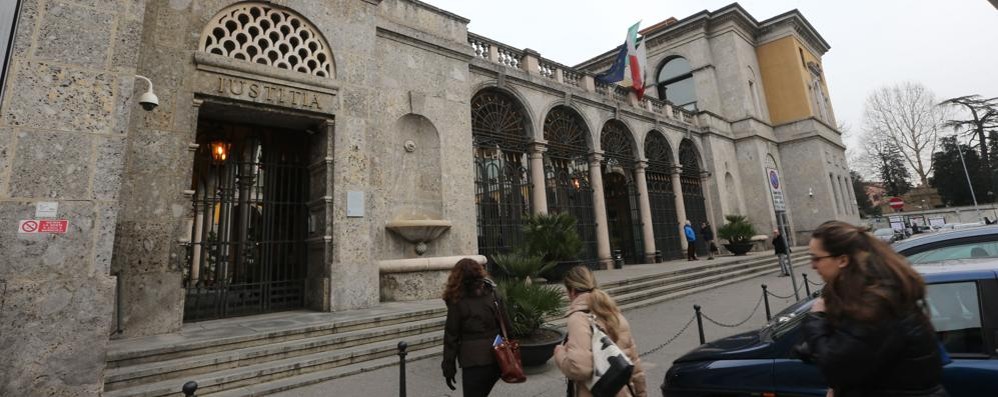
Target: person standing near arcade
(780, 247)
(691, 241)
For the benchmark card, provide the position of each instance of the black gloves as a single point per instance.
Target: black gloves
(449, 372)
(450, 382)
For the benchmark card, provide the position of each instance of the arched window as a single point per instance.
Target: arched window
(620, 192)
(566, 172)
(692, 184)
(675, 83)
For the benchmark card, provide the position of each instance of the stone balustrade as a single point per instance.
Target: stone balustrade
(531, 62)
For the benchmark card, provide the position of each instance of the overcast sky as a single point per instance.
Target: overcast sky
(951, 46)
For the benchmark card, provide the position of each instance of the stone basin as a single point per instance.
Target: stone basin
(419, 230)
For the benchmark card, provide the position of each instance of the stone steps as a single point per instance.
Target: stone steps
(281, 359)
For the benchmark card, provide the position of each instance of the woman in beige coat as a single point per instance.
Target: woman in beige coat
(575, 357)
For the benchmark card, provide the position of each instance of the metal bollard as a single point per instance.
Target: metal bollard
(658, 256)
(807, 288)
(765, 297)
(402, 346)
(699, 324)
(189, 388)
(618, 259)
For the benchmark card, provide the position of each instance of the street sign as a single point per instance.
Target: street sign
(896, 203)
(34, 226)
(773, 177)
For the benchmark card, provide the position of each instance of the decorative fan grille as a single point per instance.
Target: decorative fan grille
(689, 159)
(261, 33)
(565, 133)
(658, 152)
(616, 143)
(496, 119)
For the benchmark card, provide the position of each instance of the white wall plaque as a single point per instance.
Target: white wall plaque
(355, 204)
(46, 209)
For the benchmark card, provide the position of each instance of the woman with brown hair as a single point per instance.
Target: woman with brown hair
(575, 357)
(869, 332)
(471, 328)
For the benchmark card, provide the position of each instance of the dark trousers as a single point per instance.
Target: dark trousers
(478, 381)
(691, 252)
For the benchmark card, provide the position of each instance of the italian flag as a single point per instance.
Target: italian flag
(634, 75)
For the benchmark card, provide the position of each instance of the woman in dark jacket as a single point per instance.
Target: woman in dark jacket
(471, 329)
(869, 332)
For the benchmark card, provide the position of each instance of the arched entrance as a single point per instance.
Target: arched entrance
(502, 183)
(620, 192)
(692, 183)
(566, 171)
(662, 199)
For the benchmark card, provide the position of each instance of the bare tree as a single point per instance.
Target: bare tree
(983, 117)
(906, 116)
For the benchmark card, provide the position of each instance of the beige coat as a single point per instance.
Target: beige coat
(575, 357)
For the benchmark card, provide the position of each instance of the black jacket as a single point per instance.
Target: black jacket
(707, 233)
(779, 245)
(469, 332)
(897, 357)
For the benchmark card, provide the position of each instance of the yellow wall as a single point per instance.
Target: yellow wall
(786, 79)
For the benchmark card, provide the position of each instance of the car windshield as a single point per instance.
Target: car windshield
(970, 250)
(884, 232)
(788, 318)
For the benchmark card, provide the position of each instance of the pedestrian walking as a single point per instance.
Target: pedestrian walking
(575, 356)
(471, 328)
(869, 333)
(782, 252)
(691, 242)
(708, 239)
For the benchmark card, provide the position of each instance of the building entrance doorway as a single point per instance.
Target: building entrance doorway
(622, 217)
(247, 253)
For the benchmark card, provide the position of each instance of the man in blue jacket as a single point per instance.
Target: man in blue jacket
(691, 241)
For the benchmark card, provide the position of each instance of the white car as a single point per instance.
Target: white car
(886, 235)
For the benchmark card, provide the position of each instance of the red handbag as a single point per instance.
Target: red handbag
(508, 352)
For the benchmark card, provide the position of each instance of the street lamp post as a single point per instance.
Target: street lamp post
(969, 185)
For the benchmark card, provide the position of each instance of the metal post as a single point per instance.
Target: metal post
(189, 388)
(807, 288)
(119, 328)
(790, 263)
(765, 297)
(699, 324)
(402, 346)
(969, 185)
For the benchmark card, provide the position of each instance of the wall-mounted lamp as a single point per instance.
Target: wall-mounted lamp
(810, 192)
(148, 100)
(219, 151)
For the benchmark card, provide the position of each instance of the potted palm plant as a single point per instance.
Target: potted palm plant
(738, 231)
(529, 305)
(555, 239)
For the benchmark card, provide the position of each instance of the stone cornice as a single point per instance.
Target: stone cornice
(405, 35)
(431, 8)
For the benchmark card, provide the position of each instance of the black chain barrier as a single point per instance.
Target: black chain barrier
(785, 297)
(738, 324)
(672, 339)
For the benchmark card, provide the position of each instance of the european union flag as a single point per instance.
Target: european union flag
(616, 71)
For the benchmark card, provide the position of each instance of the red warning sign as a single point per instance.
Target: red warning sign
(31, 226)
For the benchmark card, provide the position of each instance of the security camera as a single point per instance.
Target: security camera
(148, 100)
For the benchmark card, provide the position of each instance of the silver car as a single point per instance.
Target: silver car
(886, 235)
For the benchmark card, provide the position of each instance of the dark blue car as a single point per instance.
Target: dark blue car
(962, 299)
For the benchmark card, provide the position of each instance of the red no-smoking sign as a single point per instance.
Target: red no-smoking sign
(31, 226)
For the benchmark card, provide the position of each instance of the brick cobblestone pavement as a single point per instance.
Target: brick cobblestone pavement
(651, 325)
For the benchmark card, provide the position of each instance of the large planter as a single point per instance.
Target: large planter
(557, 273)
(739, 248)
(537, 352)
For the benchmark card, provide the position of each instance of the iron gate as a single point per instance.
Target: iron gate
(665, 222)
(624, 217)
(247, 254)
(502, 175)
(690, 179)
(566, 171)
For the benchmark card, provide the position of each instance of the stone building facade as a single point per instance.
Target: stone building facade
(330, 155)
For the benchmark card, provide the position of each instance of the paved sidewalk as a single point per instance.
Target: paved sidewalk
(651, 325)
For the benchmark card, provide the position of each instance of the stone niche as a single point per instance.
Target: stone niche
(414, 218)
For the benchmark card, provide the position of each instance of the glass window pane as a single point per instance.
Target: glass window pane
(681, 92)
(956, 315)
(674, 68)
(983, 249)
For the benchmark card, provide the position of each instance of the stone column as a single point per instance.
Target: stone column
(530, 61)
(708, 200)
(644, 206)
(677, 190)
(538, 196)
(599, 208)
